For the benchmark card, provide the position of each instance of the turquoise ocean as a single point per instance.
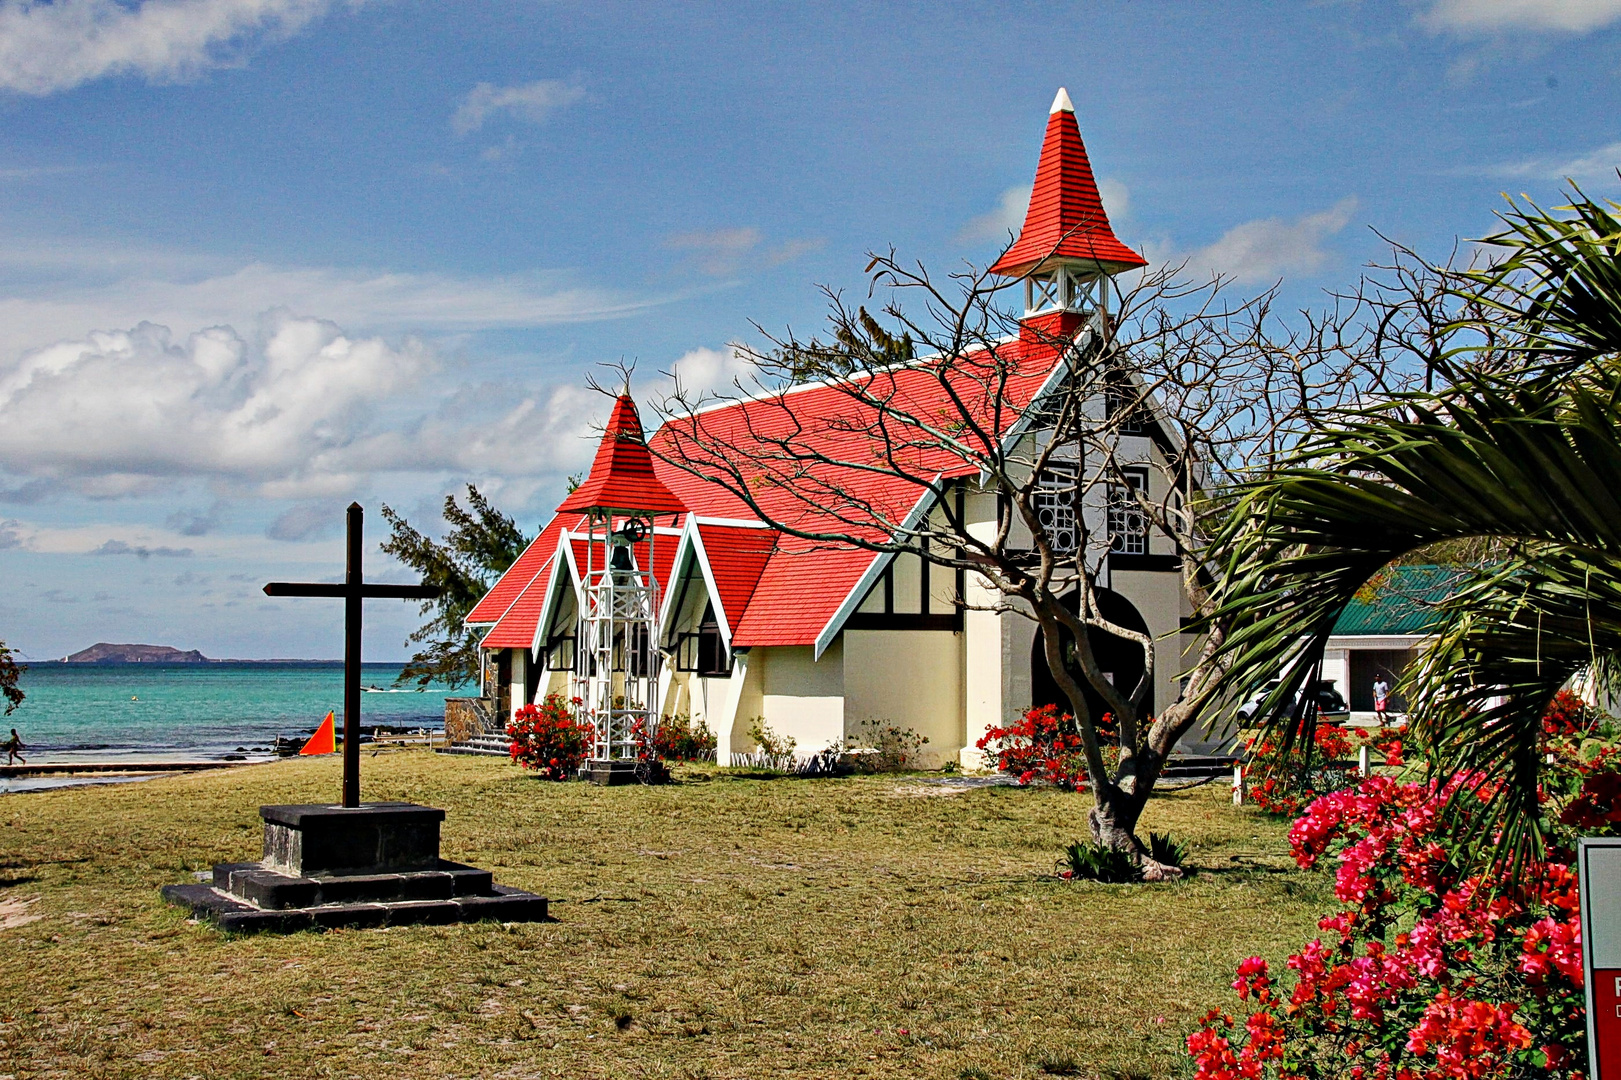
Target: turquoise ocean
(96, 712)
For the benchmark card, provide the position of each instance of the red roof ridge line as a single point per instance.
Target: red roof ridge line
(820, 384)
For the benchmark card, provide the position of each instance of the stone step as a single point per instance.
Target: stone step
(473, 751)
(481, 745)
(502, 904)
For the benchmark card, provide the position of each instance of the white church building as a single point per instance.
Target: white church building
(816, 640)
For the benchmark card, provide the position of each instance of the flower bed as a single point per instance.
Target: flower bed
(1046, 745)
(550, 738)
(1432, 968)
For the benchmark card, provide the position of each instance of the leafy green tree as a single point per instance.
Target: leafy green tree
(10, 673)
(479, 546)
(1517, 442)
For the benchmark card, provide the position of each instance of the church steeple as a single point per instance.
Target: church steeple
(1066, 245)
(622, 478)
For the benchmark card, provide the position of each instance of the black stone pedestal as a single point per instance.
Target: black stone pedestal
(373, 865)
(610, 773)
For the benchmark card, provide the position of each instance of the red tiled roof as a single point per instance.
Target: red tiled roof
(737, 556)
(805, 582)
(517, 577)
(802, 588)
(622, 476)
(516, 627)
(1066, 217)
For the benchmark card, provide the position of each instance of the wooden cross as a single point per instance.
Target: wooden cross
(353, 591)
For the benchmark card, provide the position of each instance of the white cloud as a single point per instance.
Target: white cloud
(193, 294)
(296, 409)
(725, 251)
(1000, 223)
(1265, 249)
(129, 405)
(1497, 16)
(304, 521)
(1116, 199)
(702, 369)
(1600, 164)
(49, 47)
(141, 551)
(531, 102)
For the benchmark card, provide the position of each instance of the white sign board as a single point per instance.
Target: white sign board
(1598, 862)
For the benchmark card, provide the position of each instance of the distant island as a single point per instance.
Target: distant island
(104, 653)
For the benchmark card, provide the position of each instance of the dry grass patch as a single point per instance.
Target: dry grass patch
(721, 927)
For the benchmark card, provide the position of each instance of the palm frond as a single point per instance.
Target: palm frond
(1534, 464)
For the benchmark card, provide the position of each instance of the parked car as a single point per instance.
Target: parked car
(1331, 705)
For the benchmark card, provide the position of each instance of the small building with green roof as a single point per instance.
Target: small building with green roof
(1380, 630)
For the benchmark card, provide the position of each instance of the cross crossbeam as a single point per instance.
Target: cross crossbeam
(352, 591)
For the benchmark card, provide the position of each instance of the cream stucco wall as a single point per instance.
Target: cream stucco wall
(519, 686)
(800, 697)
(908, 678)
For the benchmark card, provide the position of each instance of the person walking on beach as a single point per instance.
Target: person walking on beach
(14, 748)
(1381, 700)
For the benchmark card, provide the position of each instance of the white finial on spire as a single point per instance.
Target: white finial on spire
(1061, 103)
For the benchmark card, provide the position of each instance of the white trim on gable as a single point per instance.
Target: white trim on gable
(730, 523)
(692, 543)
(547, 609)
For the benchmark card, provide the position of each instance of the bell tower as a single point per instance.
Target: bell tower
(616, 658)
(1066, 250)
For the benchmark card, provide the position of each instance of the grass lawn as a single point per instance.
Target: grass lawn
(721, 927)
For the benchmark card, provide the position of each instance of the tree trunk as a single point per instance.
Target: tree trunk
(1113, 820)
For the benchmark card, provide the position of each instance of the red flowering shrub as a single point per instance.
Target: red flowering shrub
(1567, 715)
(1043, 745)
(1388, 742)
(1283, 783)
(1431, 969)
(549, 738)
(677, 738)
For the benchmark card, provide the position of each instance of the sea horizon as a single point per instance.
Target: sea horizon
(228, 709)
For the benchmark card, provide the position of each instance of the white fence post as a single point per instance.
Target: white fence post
(1362, 761)
(1238, 783)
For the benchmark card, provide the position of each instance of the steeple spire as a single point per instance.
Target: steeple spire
(622, 478)
(1066, 242)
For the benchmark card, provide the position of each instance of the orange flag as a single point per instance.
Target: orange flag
(323, 741)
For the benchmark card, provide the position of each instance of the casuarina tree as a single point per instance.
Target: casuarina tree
(479, 545)
(10, 673)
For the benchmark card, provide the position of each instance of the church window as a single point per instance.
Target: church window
(1128, 525)
(703, 651)
(1125, 410)
(1055, 508)
(559, 653)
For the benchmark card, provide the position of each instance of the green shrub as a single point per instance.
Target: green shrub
(771, 751)
(1097, 863)
(679, 739)
(1163, 849)
(890, 747)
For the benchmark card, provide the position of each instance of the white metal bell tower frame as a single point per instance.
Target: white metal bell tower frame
(616, 668)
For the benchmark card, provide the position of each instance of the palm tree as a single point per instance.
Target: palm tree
(1521, 447)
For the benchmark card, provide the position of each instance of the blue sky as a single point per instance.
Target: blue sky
(262, 257)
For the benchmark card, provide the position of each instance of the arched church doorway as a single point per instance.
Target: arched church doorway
(1116, 656)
